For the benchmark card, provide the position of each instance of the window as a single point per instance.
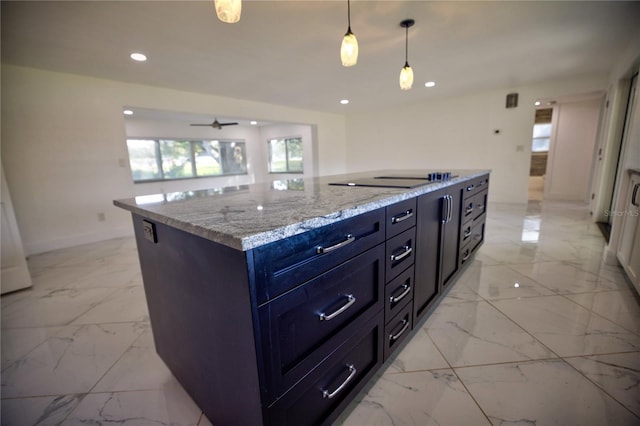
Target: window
(541, 137)
(285, 155)
(165, 159)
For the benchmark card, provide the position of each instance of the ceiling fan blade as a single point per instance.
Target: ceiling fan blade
(227, 124)
(200, 124)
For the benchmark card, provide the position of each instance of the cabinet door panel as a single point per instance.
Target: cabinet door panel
(303, 326)
(451, 235)
(428, 227)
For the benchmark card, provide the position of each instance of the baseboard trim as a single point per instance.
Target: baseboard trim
(77, 240)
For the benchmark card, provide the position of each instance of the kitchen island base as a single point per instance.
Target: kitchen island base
(289, 332)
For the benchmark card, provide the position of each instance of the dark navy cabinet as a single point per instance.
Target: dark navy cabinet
(289, 332)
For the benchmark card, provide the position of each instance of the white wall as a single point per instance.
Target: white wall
(63, 142)
(458, 132)
(575, 126)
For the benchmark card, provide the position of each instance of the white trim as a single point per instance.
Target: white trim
(94, 237)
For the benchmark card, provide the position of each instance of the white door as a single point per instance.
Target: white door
(15, 273)
(629, 247)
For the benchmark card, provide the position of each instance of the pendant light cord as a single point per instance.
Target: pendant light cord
(348, 16)
(406, 46)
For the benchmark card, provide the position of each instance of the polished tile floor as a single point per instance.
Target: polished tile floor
(536, 331)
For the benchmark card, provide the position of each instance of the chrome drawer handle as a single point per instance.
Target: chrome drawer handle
(349, 239)
(481, 206)
(352, 374)
(469, 209)
(407, 251)
(404, 216)
(470, 187)
(394, 337)
(396, 299)
(466, 255)
(350, 301)
(635, 194)
(467, 232)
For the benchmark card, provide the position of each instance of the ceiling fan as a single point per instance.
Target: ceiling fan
(216, 124)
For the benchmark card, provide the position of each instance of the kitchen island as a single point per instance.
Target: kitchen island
(275, 303)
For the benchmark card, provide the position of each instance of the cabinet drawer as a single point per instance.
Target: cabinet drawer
(475, 206)
(285, 264)
(466, 232)
(477, 236)
(480, 206)
(400, 217)
(400, 253)
(398, 293)
(397, 330)
(319, 397)
(302, 327)
(475, 185)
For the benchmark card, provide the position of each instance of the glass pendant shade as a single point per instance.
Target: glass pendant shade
(406, 77)
(349, 49)
(406, 73)
(228, 10)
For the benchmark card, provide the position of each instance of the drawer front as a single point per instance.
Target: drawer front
(473, 207)
(325, 392)
(476, 238)
(465, 232)
(397, 330)
(477, 234)
(398, 293)
(285, 264)
(475, 185)
(400, 217)
(480, 204)
(400, 253)
(302, 327)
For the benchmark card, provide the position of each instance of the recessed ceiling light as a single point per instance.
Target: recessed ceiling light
(127, 112)
(430, 84)
(537, 103)
(253, 123)
(139, 57)
(344, 101)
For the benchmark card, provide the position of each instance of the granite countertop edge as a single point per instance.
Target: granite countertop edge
(216, 228)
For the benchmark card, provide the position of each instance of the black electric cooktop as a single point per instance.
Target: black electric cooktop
(399, 181)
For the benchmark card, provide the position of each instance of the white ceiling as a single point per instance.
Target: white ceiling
(287, 52)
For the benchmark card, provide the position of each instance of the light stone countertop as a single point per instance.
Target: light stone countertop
(249, 216)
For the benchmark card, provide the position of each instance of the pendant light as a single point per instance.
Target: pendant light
(406, 74)
(228, 10)
(349, 48)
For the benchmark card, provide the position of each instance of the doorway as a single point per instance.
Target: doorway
(540, 143)
(605, 225)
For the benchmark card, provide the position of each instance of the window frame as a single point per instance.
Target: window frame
(192, 158)
(286, 140)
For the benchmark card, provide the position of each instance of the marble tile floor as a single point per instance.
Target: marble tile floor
(537, 330)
